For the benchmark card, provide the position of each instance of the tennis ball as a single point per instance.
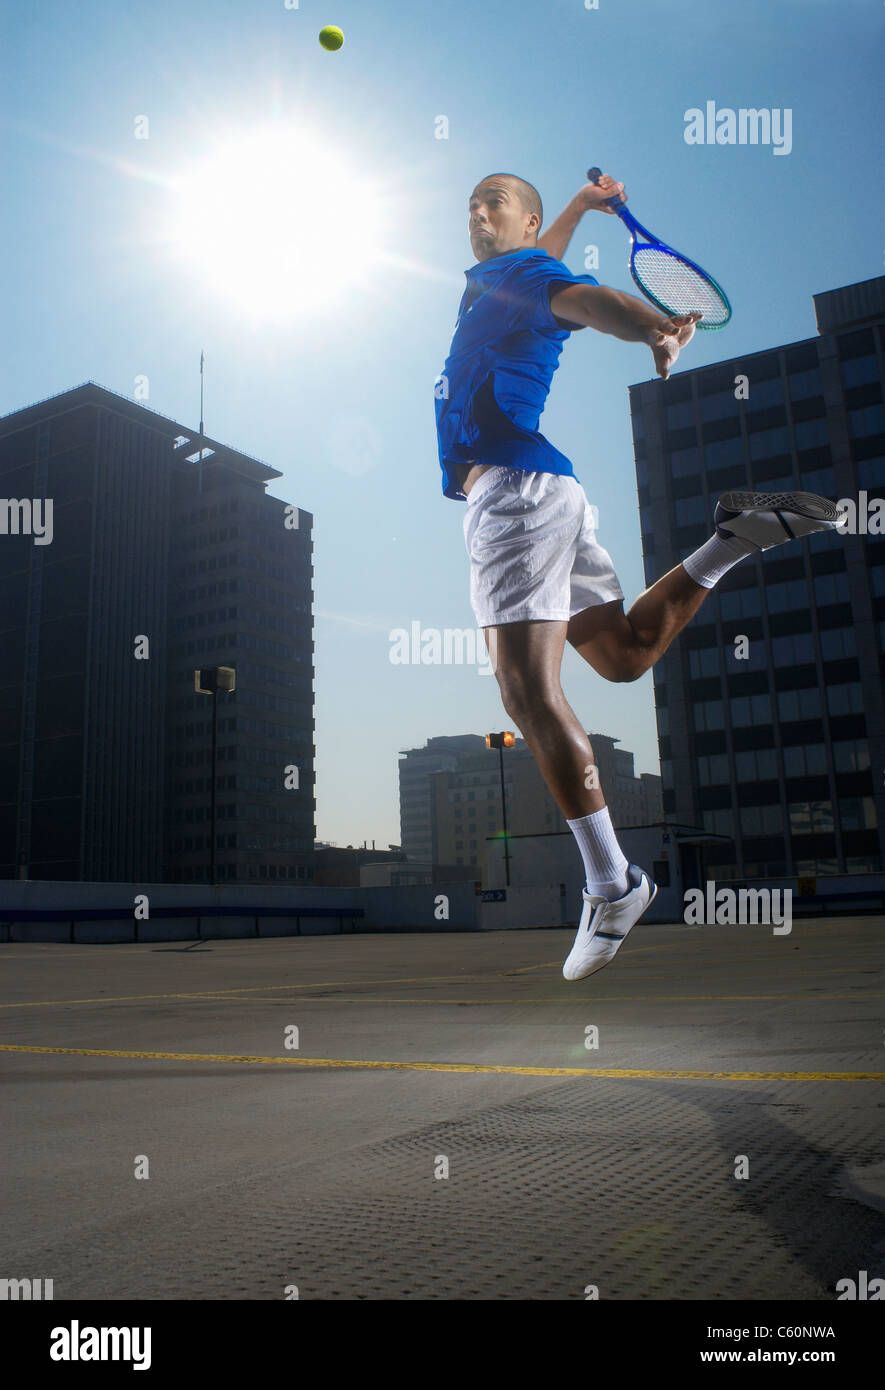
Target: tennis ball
(331, 37)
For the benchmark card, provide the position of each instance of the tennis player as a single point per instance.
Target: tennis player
(538, 575)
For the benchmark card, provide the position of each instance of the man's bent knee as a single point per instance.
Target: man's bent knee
(632, 665)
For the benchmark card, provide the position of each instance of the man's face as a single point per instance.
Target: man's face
(498, 221)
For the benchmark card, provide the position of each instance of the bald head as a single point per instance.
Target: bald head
(505, 215)
(529, 197)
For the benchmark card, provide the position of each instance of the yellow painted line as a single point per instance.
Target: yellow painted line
(471, 1067)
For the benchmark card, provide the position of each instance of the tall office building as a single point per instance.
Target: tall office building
(416, 767)
(164, 558)
(456, 809)
(771, 703)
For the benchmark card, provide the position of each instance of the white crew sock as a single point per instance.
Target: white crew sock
(707, 565)
(604, 861)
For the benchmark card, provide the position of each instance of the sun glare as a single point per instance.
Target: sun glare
(278, 223)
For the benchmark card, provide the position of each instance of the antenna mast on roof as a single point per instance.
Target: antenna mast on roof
(202, 360)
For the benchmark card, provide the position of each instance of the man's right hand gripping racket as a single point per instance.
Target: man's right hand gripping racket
(671, 281)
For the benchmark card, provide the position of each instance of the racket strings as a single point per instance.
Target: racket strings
(679, 286)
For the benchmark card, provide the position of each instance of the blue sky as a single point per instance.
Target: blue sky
(340, 396)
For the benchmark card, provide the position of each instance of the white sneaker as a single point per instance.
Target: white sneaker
(604, 924)
(770, 518)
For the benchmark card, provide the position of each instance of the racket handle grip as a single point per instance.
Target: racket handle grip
(594, 175)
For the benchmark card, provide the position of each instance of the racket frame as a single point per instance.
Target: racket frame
(633, 226)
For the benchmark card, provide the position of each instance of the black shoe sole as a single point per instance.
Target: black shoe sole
(806, 504)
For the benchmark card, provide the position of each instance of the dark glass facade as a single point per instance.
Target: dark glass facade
(158, 564)
(771, 715)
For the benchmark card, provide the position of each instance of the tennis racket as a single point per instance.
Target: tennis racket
(671, 281)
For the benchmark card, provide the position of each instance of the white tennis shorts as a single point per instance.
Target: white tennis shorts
(531, 538)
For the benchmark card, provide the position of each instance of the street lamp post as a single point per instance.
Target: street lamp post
(502, 741)
(208, 681)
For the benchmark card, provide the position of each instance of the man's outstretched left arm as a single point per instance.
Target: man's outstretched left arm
(628, 318)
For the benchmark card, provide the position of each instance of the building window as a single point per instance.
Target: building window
(807, 761)
(765, 393)
(871, 474)
(836, 642)
(766, 444)
(858, 813)
(796, 650)
(709, 715)
(689, 511)
(845, 699)
(740, 603)
(724, 453)
(803, 385)
(750, 709)
(867, 864)
(811, 434)
(851, 755)
(756, 765)
(680, 416)
(817, 868)
(810, 817)
(761, 820)
(859, 371)
(830, 588)
(790, 596)
(719, 822)
(717, 406)
(869, 420)
(703, 661)
(799, 704)
(684, 463)
(712, 770)
(819, 480)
